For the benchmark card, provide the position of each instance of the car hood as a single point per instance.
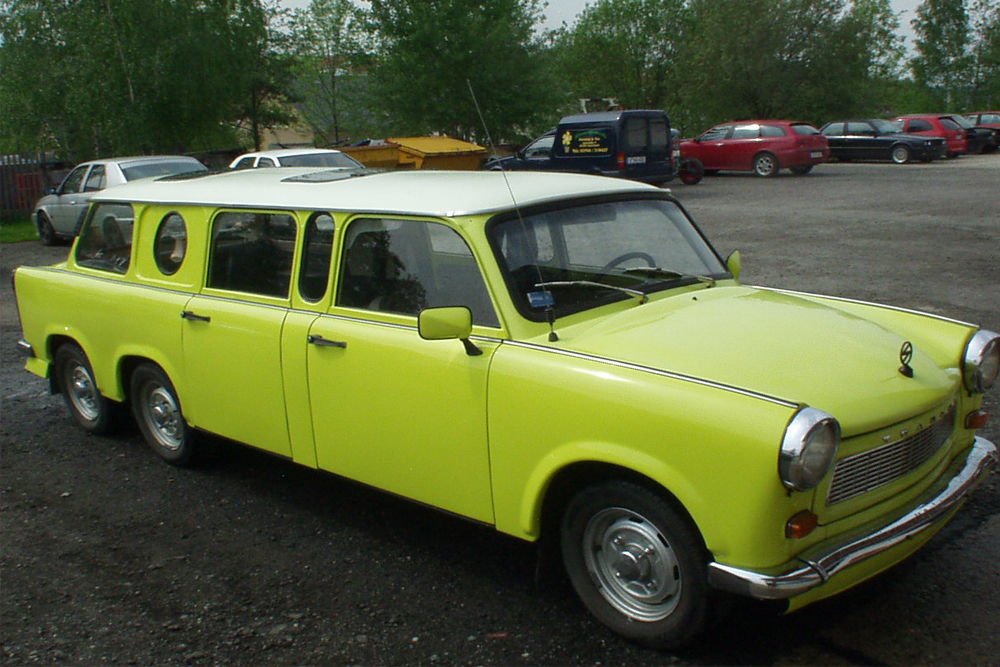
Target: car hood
(775, 344)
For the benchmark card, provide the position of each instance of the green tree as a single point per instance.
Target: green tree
(943, 63)
(100, 77)
(432, 50)
(333, 51)
(625, 49)
(873, 27)
(985, 93)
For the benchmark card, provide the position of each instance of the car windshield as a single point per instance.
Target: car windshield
(571, 259)
(165, 168)
(320, 160)
(887, 126)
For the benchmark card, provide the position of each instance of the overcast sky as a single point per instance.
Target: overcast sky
(565, 11)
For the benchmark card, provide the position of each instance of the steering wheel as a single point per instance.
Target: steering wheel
(645, 256)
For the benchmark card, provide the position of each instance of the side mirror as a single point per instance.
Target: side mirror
(734, 264)
(448, 323)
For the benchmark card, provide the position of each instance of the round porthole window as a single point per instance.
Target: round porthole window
(170, 245)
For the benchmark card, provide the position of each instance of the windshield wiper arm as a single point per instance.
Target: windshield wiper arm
(667, 273)
(638, 294)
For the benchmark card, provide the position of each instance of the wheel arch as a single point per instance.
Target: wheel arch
(129, 362)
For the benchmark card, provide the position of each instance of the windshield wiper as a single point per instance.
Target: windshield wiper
(667, 273)
(638, 294)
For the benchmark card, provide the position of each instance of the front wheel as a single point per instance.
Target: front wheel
(900, 154)
(157, 411)
(765, 164)
(691, 171)
(75, 379)
(637, 564)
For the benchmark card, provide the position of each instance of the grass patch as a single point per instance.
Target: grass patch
(17, 230)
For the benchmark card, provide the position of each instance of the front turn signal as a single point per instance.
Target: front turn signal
(976, 419)
(801, 524)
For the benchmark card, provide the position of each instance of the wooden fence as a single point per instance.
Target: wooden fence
(22, 182)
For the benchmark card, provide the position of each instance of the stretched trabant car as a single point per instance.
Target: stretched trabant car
(563, 357)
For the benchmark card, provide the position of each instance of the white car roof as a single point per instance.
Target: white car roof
(141, 158)
(282, 152)
(435, 193)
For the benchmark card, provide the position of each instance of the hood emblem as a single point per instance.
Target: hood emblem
(905, 357)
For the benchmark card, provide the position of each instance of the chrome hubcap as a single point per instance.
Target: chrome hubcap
(164, 417)
(632, 564)
(83, 393)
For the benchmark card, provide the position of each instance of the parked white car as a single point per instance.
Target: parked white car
(58, 213)
(296, 157)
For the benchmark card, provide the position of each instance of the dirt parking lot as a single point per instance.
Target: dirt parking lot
(107, 555)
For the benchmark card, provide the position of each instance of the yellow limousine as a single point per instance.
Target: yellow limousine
(563, 357)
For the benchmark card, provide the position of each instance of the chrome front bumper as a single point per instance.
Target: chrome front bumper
(819, 568)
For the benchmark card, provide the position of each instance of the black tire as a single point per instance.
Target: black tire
(900, 154)
(803, 170)
(157, 411)
(691, 171)
(637, 564)
(46, 233)
(75, 378)
(765, 165)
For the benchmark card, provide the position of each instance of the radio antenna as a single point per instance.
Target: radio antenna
(549, 300)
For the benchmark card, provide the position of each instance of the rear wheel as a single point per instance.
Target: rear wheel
(637, 564)
(765, 164)
(46, 233)
(900, 154)
(157, 411)
(75, 378)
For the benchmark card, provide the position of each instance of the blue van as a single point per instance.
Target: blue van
(632, 144)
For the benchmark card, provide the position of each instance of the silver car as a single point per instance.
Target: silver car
(57, 214)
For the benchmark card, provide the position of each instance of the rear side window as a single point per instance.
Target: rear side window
(106, 239)
(918, 125)
(859, 128)
(317, 252)
(807, 130)
(771, 131)
(252, 252)
(96, 179)
(746, 132)
(170, 244)
(950, 124)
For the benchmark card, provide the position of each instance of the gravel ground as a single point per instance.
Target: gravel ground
(110, 556)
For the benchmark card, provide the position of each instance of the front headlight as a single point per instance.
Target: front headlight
(808, 449)
(982, 361)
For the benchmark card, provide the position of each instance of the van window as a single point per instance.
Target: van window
(317, 252)
(106, 238)
(635, 133)
(404, 266)
(170, 244)
(252, 252)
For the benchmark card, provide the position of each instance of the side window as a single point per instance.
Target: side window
(317, 252)
(771, 131)
(252, 252)
(918, 125)
(170, 244)
(746, 132)
(834, 129)
(658, 134)
(540, 149)
(244, 163)
(106, 238)
(404, 266)
(266, 162)
(71, 184)
(860, 128)
(717, 133)
(96, 180)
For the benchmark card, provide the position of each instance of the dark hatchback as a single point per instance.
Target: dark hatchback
(877, 139)
(632, 144)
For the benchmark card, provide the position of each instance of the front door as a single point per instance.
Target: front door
(390, 409)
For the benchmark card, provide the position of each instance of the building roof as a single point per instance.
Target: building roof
(437, 193)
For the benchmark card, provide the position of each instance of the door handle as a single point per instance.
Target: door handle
(194, 317)
(325, 342)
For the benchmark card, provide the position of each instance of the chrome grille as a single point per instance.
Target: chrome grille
(860, 473)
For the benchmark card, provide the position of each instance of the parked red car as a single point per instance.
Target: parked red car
(933, 125)
(761, 146)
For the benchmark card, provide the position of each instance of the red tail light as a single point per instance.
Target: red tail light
(621, 160)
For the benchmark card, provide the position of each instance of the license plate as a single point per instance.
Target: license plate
(636, 159)
(816, 154)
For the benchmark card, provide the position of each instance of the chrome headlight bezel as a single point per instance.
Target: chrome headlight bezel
(981, 362)
(808, 449)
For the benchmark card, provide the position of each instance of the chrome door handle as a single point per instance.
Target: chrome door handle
(194, 317)
(325, 342)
